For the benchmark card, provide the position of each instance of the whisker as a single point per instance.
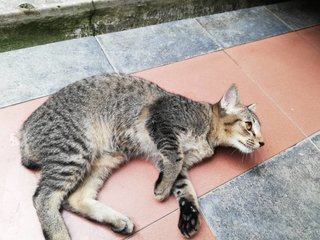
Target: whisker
(233, 151)
(249, 155)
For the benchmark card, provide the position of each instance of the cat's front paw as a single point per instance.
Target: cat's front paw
(161, 189)
(161, 193)
(189, 221)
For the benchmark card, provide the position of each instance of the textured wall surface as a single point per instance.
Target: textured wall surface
(29, 23)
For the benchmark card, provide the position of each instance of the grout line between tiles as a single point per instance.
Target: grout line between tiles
(106, 55)
(238, 44)
(267, 95)
(24, 101)
(310, 138)
(280, 19)
(164, 216)
(167, 214)
(209, 35)
(314, 144)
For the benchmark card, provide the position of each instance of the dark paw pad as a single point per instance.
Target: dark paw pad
(189, 218)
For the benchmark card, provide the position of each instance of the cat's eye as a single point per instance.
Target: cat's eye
(249, 125)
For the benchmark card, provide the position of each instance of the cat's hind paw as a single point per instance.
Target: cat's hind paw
(125, 226)
(189, 221)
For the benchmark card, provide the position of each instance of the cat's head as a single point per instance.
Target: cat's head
(239, 125)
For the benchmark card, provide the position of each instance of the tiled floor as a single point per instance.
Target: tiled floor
(277, 200)
(295, 73)
(138, 49)
(38, 71)
(297, 14)
(280, 74)
(239, 25)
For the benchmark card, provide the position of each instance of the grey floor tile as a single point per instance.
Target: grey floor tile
(316, 139)
(34, 72)
(298, 14)
(278, 200)
(142, 48)
(242, 26)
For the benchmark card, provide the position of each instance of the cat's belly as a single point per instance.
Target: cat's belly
(195, 150)
(194, 157)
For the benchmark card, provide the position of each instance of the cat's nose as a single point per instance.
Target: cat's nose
(261, 144)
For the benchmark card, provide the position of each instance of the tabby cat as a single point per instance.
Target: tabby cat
(89, 128)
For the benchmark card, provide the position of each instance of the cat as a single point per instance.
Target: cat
(91, 127)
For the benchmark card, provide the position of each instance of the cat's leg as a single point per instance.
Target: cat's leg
(83, 201)
(60, 175)
(169, 172)
(183, 190)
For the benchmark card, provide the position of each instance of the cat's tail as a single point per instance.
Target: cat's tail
(29, 158)
(31, 164)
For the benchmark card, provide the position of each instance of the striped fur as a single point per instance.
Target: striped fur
(87, 129)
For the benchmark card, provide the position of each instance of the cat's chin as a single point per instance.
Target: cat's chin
(242, 147)
(247, 150)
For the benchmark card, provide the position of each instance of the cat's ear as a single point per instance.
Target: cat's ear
(230, 98)
(252, 107)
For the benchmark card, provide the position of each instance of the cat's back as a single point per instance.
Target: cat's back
(107, 91)
(84, 109)
(104, 94)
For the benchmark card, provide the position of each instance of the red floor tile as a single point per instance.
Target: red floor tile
(311, 35)
(287, 68)
(18, 219)
(166, 229)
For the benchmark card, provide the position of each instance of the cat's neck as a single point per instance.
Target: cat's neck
(215, 135)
